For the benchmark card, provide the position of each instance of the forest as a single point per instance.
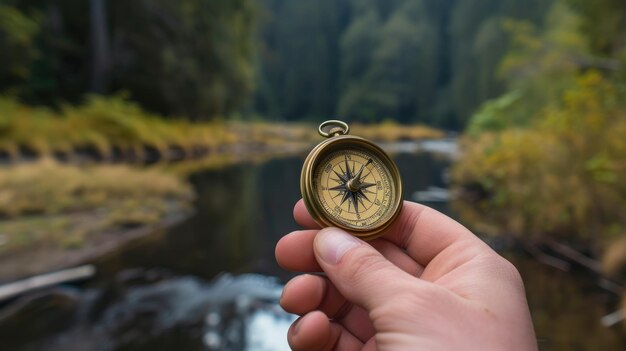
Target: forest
(504, 71)
(519, 77)
(544, 162)
(533, 91)
(404, 60)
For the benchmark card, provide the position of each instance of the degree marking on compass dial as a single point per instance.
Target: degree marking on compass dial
(355, 188)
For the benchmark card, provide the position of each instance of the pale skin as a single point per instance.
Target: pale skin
(427, 284)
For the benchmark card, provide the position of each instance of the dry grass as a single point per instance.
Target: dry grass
(101, 124)
(46, 187)
(391, 131)
(46, 203)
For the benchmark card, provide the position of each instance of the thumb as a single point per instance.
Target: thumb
(361, 273)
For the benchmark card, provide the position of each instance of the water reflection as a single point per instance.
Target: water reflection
(242, 211)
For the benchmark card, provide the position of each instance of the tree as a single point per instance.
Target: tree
(557, 178)
(299, 57)
(190, 57)
(478, 43)
(540, 64)
(19, 50)
(398, 70)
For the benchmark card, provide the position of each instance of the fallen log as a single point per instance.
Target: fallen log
(14, 289)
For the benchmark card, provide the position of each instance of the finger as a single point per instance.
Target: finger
(294, 252)
(310, 332)
(397, 256)
(302, 216)
(370, 345)
(422, 231)
(345, 340)
(360, 273)
(308, 293)
(315, 332)
(304, 294)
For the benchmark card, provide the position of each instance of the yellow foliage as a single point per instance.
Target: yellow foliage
(47, 187)
(100, 123)
(563, 176)
(392, 131)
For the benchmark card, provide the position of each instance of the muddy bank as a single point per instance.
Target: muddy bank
(47, 258)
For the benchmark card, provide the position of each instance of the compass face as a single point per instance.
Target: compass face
(355, 188)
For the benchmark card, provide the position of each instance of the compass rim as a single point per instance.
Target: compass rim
(325, 148)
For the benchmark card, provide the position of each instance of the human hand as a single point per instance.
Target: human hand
(427, 284)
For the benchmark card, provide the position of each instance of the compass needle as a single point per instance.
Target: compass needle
(361, 201)
(340, 176)
(355, 201)
(342, 172)
(365, 177)
(364, 196)
(367, 185)
(358, 174)
(347, 167)
(341, 187)
(346, 195)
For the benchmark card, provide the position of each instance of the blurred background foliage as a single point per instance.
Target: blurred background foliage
(545, 161)
(537, 85)
(189, 57)
(407, 60)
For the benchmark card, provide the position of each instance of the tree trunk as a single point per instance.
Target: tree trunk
(100, 52)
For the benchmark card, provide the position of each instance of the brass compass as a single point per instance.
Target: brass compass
(351, 183)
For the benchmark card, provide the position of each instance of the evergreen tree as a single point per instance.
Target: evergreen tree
(402, 67)
(298, 58)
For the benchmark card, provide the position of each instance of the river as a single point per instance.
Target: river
(168, 291)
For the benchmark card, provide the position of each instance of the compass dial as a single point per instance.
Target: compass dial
(354, 188)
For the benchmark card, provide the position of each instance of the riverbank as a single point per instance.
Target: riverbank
(78, 183)
(54, 215)
(113, 129)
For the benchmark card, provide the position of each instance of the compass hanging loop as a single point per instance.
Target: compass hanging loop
(333, 128)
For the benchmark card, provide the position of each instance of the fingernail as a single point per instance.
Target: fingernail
(332, 243)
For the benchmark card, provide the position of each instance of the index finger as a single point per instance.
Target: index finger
(420, 230)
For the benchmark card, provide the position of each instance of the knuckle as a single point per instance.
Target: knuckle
(504, 270)
(510, 271)
(363, 265)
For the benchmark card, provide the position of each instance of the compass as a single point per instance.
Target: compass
(351, 183)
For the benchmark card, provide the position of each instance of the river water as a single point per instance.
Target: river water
(168, 291)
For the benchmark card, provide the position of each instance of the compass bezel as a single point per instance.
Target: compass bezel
(347, 142)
